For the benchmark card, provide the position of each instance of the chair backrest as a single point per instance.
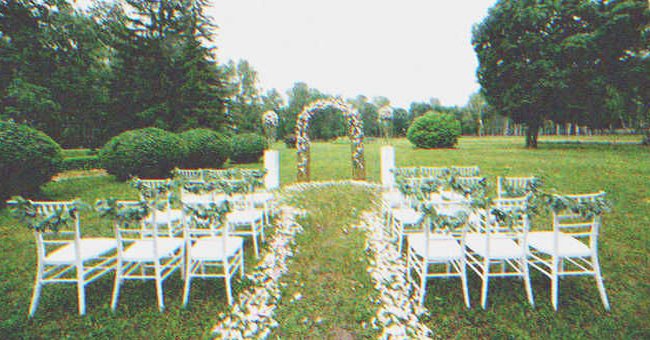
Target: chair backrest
(406, 172)
(66, 233)
(190, 174)
(127, 232)
(440, 226)
(469, 181)
(516, 214)
(201, 224)
(194, 191)
(515, 186)
(433, 172)
(466, 171)
(579, 225)
(154, 187)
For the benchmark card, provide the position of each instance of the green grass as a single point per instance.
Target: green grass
(621, 170)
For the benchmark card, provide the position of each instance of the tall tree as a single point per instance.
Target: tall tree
(543, 60)
(165, 72)
(244, 105)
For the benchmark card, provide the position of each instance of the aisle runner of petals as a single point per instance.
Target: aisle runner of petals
(252, 316)
(399, 309)
(397, 317)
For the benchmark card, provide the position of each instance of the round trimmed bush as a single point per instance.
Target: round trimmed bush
(28, 159)
(205, 148)
(434, 130)
(247, 148)
(147, 153)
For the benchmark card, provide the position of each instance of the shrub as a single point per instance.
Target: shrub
(247, 148)
(434, 130)
(290, 141)
(28, 159)
(205, 149)
(80, 163)
(147, 153)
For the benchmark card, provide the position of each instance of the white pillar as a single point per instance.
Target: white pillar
(387, 164)
(272, 167)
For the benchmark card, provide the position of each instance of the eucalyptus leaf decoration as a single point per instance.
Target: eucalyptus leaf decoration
(210, 213)
(510, 217)
(124, 214)
(28, 214)
(517, 191)
(444, 222)
(585, 208)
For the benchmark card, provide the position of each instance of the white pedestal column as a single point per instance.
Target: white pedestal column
(272, 166)
(387, 164)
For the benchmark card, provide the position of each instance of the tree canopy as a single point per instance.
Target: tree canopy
(566, 61)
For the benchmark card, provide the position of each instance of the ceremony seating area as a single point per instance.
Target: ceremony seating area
(199, 235)
(451, 223)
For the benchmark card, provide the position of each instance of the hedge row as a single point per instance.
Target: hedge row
(80, 163)
(153, 153)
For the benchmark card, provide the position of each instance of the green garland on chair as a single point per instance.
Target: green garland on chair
(23, 210)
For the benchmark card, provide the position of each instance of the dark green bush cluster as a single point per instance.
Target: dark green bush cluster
(434, 130)
(205, 149)
(247, 148)
(290, 141)
(28, 159)
(148, 153)
(80, 163)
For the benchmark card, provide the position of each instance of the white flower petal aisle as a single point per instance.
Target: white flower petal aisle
(399, 311)
(252, 316)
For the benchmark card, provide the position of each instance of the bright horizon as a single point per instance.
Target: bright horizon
(408, 51)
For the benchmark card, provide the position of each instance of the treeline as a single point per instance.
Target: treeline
(85, 76)
(82, 77)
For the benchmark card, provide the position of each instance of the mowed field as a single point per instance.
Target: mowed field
(623, 171)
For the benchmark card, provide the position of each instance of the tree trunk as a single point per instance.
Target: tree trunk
(532, 132)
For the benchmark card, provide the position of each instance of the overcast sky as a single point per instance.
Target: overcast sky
(406, 50)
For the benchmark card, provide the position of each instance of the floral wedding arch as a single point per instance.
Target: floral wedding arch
(355, 132)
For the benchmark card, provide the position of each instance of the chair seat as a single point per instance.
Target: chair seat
(394, 199)
(90, 248)
(442, 248)
(142, 250)
(407, 215)
(197, 199)
(568, 246)
(452, 210)
(211, 248)
(260, 197)
(166, 217)
(246, 216)
(501, 247)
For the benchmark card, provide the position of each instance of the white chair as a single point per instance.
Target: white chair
(501, 250)
(211, 253)
(245, 220)
(571, 249)
(466, 171)
(429, 252)
(265, 201)
(145, 254)
(159, 189)
(515, 186)
(66, 257)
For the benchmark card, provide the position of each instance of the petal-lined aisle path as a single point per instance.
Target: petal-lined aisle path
(321, 276)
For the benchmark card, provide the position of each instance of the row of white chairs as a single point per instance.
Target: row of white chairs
(492, 249)
(150, 250)
(421, 171)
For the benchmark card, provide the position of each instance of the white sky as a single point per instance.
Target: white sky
(406, 50)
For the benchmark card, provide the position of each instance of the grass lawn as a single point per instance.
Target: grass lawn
(621, 170)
